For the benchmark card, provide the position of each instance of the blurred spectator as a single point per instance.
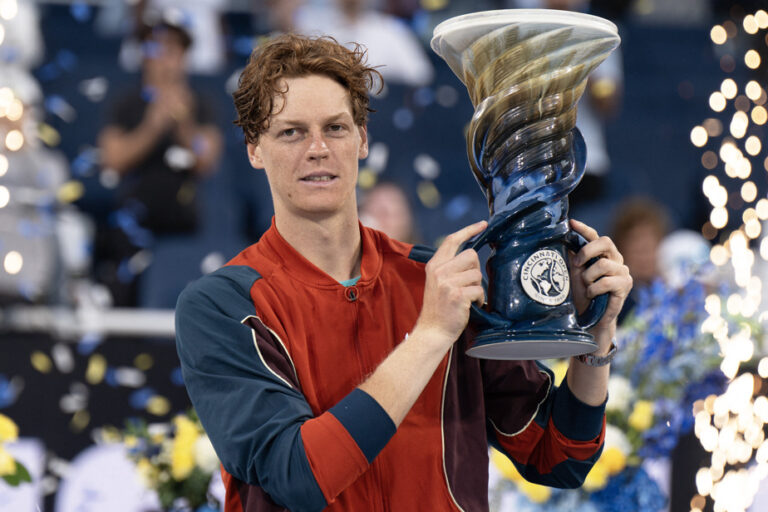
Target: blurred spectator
(639, 227)
(386, 207)
(391, 44)
(160, 139)
(201, 18)
(601, 102)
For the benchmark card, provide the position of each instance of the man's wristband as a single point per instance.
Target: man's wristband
(592, 360)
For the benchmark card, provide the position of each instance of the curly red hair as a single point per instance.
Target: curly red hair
(289, 56)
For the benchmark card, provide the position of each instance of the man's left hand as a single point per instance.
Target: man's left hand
(606, 275)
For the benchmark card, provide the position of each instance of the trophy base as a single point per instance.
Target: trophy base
(519, 345)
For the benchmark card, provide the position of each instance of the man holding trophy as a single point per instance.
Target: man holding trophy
(332, 366)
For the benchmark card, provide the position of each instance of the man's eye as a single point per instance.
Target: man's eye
(335, 127)
(288, 132)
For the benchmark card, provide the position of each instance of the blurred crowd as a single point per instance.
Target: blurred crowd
(161, 138)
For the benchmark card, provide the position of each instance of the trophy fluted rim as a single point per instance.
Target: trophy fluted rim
(454, 31)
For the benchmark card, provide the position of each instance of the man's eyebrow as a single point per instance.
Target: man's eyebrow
(297, 122)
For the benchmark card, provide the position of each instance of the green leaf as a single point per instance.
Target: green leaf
(21, 475)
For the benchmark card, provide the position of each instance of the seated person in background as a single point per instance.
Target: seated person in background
(320, 359)
(386, 207)
(160, 139)
(639, 227)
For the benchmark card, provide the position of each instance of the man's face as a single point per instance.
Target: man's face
(311, 149)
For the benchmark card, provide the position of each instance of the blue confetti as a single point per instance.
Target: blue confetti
(80, 11)
(66, 60)
(243, 45)
(88, 344)
(402, 118)
(48, 72)
(8, 392)
(424, 97)
(140, 397)
(457, 207)
(110, 377)
(176, 377)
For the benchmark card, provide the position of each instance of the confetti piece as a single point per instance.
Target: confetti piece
(212, 261)
(41, 362)
(402, 118)
(97, 367)
(366, 178)
(129, 377)
(434, 5)
(177, 378)
(458, 207)
(140, 398)
(10, 390)
(48, 134)
(158, 405)
(426, 166)
(79, 421)
(378, 155)
(70, 404)
(70, 192)
(95, 89)
(62, 357)
(143, 361)
(428, 194)
(447, 96)
(60, 107)
(88, 343)
(424, 96)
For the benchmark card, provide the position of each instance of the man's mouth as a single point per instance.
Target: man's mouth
(318, 178)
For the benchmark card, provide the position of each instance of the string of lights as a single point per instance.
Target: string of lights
(731, 426)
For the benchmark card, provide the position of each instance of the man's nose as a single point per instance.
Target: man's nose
(317, 146)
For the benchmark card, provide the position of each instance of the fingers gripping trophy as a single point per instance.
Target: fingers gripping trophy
(525, 70)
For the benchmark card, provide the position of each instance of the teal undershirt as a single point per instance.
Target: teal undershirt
(350, 282)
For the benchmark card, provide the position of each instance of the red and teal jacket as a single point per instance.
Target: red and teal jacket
(272, 350)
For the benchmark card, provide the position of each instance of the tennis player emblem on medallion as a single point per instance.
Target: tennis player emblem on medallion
(545, 277)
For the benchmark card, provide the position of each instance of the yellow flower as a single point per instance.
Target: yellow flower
(182, 451)
(597, 477)
(535, 492)
(147, 472)
(8, 429)
(7, 463)
(505, 466)
(642, 415)
(559, 369)
(613, 460)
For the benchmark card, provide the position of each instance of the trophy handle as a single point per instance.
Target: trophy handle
(597, 306)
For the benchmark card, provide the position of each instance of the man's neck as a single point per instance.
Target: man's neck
(332, 244)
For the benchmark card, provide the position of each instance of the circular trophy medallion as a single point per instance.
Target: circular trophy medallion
(545, 277)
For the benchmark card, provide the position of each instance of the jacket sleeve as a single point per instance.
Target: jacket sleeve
(246, 393)
(551, 436)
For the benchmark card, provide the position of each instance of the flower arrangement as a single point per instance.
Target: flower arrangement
(666, 361)
(11, 470)
(176, 460)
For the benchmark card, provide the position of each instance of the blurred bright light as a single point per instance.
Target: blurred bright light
(749, 191)
(13, 262)
(8, 9)
(753, 145)
(3, 164)
(718, 34)
(759, 115)
(729, 88)
(5, 196)
(717, 101)
(699, 136)
(752, 59)
(14, 140)
(753, 90)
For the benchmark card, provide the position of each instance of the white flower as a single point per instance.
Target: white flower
(615, 438)
(205, 456)
(619, 394)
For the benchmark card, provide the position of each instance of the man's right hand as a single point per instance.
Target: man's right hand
(453, 283)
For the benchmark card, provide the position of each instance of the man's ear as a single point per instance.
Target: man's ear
(363, 151)
(254, 155)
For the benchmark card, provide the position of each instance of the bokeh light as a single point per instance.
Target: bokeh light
(13, 262)
(699, 136)
(718, 34)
